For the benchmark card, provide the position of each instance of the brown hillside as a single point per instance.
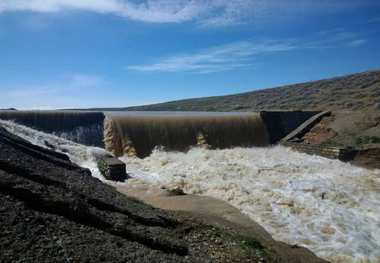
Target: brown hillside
(354, 92)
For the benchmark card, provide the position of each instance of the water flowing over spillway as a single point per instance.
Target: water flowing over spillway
(82, 127)
(328, 206)
(140, 134)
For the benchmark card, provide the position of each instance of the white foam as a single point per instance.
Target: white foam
(81, 155)
(330, 207)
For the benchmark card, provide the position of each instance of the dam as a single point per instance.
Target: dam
(138, 133)
(82, 127)
(326, 205)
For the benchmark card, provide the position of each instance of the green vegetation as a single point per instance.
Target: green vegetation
(244, 242)
(366, 140)
(249, 243)
(333, 143)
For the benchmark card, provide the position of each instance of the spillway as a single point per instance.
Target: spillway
(82, 127)
(140, 134)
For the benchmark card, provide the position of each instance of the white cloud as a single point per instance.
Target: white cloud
(149, 11)
(241, 55)
(338, 37)
(217, 59)
(357, 42)
(204, 12)
(59, 5)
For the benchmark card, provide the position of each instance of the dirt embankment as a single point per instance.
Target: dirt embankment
(54, 211)
(359, 130)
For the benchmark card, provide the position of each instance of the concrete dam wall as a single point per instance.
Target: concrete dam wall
(138, 134)
(281, 123)
(81, 127)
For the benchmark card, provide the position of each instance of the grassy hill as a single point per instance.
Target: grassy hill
(354, 92)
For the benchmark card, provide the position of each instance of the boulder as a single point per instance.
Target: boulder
(112, 169)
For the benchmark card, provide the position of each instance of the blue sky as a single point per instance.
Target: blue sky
(108, 53)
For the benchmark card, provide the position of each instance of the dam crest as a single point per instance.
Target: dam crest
(138, 133)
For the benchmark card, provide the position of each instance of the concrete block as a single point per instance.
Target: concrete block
(112, 169)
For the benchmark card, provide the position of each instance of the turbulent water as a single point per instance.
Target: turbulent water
(81, 127)
(328, 206)
(84, 156)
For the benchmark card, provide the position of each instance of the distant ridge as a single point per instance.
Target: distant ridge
(353, 92)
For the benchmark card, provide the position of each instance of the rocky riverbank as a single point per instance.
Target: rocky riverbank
(54, 211)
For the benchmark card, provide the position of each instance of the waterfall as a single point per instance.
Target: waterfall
(140, 134)
(81, 127)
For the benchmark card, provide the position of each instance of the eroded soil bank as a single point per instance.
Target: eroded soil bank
(359, 130)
